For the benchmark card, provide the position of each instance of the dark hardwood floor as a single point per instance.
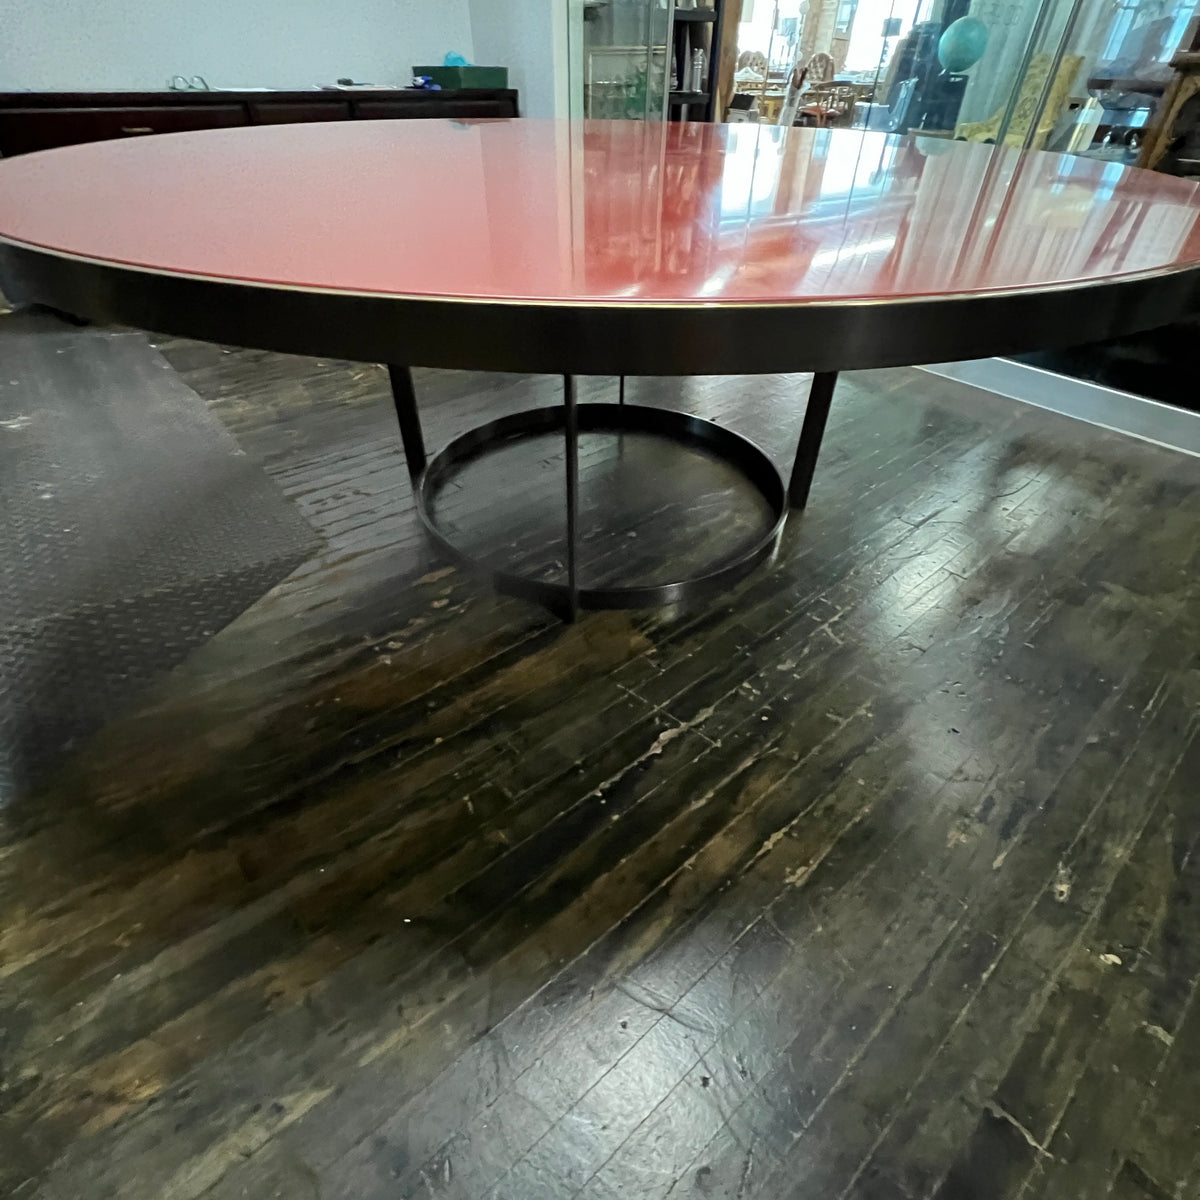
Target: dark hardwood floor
(877, 877)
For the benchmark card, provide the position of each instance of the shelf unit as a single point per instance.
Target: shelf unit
(692, 28)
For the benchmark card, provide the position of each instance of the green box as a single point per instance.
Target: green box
(466, 77)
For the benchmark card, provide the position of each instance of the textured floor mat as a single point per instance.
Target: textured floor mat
(132, 528)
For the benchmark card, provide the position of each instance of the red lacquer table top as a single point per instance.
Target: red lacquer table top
(602, 214)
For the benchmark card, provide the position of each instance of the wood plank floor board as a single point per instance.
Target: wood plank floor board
(989, 1025)
(808, 1070)
(978, 952)
(1044, 1077)
(1149, 997)
(677, 840)
(1167, 1144)
(344, 909)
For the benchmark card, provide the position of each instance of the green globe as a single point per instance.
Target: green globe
(962, 44)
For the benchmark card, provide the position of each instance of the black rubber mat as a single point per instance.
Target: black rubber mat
(132, 528)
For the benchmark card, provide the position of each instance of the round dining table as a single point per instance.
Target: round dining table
(601, 248)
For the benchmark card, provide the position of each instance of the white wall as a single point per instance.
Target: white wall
(530, 38)
(79, 45)
(134, 44)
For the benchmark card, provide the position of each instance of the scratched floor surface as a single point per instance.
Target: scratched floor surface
(875, 877)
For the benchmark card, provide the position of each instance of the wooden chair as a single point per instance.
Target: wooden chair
(828, 105)
(753, 60)
(821, 68)
(825, 102)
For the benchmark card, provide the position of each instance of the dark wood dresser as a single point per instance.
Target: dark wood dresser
(40, 120)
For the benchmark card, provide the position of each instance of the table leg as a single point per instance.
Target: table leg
(813, 429)
(571, 434)
(404, 397)
(621, 403)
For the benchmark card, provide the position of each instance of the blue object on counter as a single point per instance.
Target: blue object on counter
(426, 84)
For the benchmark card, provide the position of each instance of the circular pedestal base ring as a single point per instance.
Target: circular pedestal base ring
(731, 448)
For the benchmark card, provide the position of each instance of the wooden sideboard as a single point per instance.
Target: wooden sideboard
(41, 120)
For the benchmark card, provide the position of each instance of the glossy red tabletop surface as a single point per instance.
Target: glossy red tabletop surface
(601, 211)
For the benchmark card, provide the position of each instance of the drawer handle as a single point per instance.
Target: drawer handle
(137, 129)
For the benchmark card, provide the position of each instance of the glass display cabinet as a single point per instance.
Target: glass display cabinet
(619, 59)
(645, 60)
